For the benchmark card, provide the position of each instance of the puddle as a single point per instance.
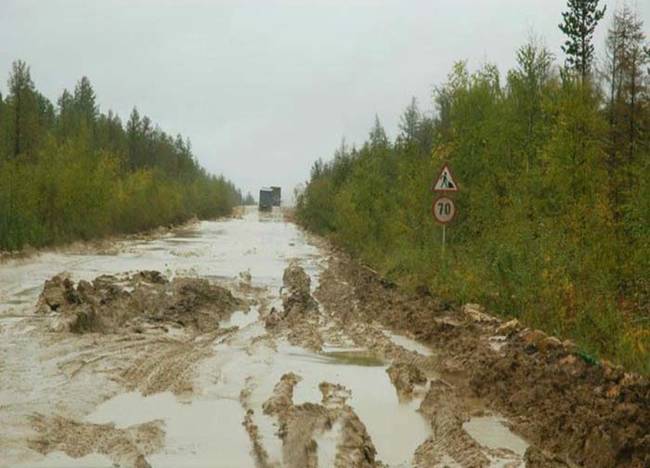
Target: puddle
(408, 343)
(354, 357)
(204, 432)
(491, 432)
(241, 319)
(396, 429)
(326, 444)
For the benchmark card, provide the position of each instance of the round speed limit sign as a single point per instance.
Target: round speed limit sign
(443, 209)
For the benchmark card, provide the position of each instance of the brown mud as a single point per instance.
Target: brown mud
(299, 426)
(127, 446)
(573, 412)
(109, 304)
(141, 331)
(314, 375)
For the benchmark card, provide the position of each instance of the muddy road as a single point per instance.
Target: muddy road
(247, 342)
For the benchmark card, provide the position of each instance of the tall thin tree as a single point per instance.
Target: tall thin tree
(579, 24)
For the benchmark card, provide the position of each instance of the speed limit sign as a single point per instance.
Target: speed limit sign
(443, 209)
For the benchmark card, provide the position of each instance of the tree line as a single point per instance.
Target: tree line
(554, 208)
(69, 171)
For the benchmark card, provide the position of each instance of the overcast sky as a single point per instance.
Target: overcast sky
(263, 88)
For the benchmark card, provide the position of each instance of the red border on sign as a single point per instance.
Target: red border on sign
(433, 187)
(433, 209)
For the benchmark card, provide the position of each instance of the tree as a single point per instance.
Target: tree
(410, 122)
(526, 83)
(22, 104)
(84, 101)
(378, 138)
(579, 24)
(627, 55)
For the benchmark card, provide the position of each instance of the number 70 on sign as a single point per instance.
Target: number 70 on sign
(443, 209)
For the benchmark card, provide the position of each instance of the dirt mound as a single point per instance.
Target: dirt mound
(449, 438)
(127, 447)
(301, 424)
(298, 319)
(595, 414)
(405, 377)
(108, 303)
(296, 292)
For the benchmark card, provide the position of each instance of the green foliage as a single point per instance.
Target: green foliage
(538, 235)
(74, 173)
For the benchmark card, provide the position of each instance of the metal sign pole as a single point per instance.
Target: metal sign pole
(444, 235)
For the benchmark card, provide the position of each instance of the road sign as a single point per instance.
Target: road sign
(443, 209)
(445, 181)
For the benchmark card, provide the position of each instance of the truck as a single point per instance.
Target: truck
(266, 199)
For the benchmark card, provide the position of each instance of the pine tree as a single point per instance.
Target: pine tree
(84, 100)
(579, 25)
(627, 55)
(410, 122)
(378, 138)
(22, 103)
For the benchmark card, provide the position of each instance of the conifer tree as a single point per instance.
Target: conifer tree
(23, 118)
(579, 24)
(84, 101)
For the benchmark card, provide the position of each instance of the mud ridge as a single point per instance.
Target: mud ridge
(299, 426)
(299, 319)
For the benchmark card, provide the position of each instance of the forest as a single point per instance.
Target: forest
(68, 171)
(553, 163)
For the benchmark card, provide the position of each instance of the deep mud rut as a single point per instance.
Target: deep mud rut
(246, 342)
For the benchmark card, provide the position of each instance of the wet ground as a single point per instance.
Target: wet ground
(277, 383)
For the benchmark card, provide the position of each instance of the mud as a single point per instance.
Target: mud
(298, 319)
(406, 378)
(572, 411)
(300, 426)
(110, 304)
(127, 446)
(248, 343)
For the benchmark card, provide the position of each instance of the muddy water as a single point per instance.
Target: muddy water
(205, 428)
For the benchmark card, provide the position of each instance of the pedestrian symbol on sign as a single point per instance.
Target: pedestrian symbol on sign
(445, 182)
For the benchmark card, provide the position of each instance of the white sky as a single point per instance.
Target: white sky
(263, 88)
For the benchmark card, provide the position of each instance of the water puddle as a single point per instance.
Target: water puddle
(354, 358)
(491, 432)
(396, 429)
(203, 432)
(409, 343)
(241, 319)
(327, 443)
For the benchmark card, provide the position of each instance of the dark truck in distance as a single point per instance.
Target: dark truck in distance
(266, 199)
(269, 197)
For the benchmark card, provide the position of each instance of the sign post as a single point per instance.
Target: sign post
(444, 209)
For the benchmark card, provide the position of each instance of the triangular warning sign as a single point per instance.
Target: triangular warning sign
(445, 182)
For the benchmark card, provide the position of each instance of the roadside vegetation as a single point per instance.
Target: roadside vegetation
(68, 171)
(553, 162)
